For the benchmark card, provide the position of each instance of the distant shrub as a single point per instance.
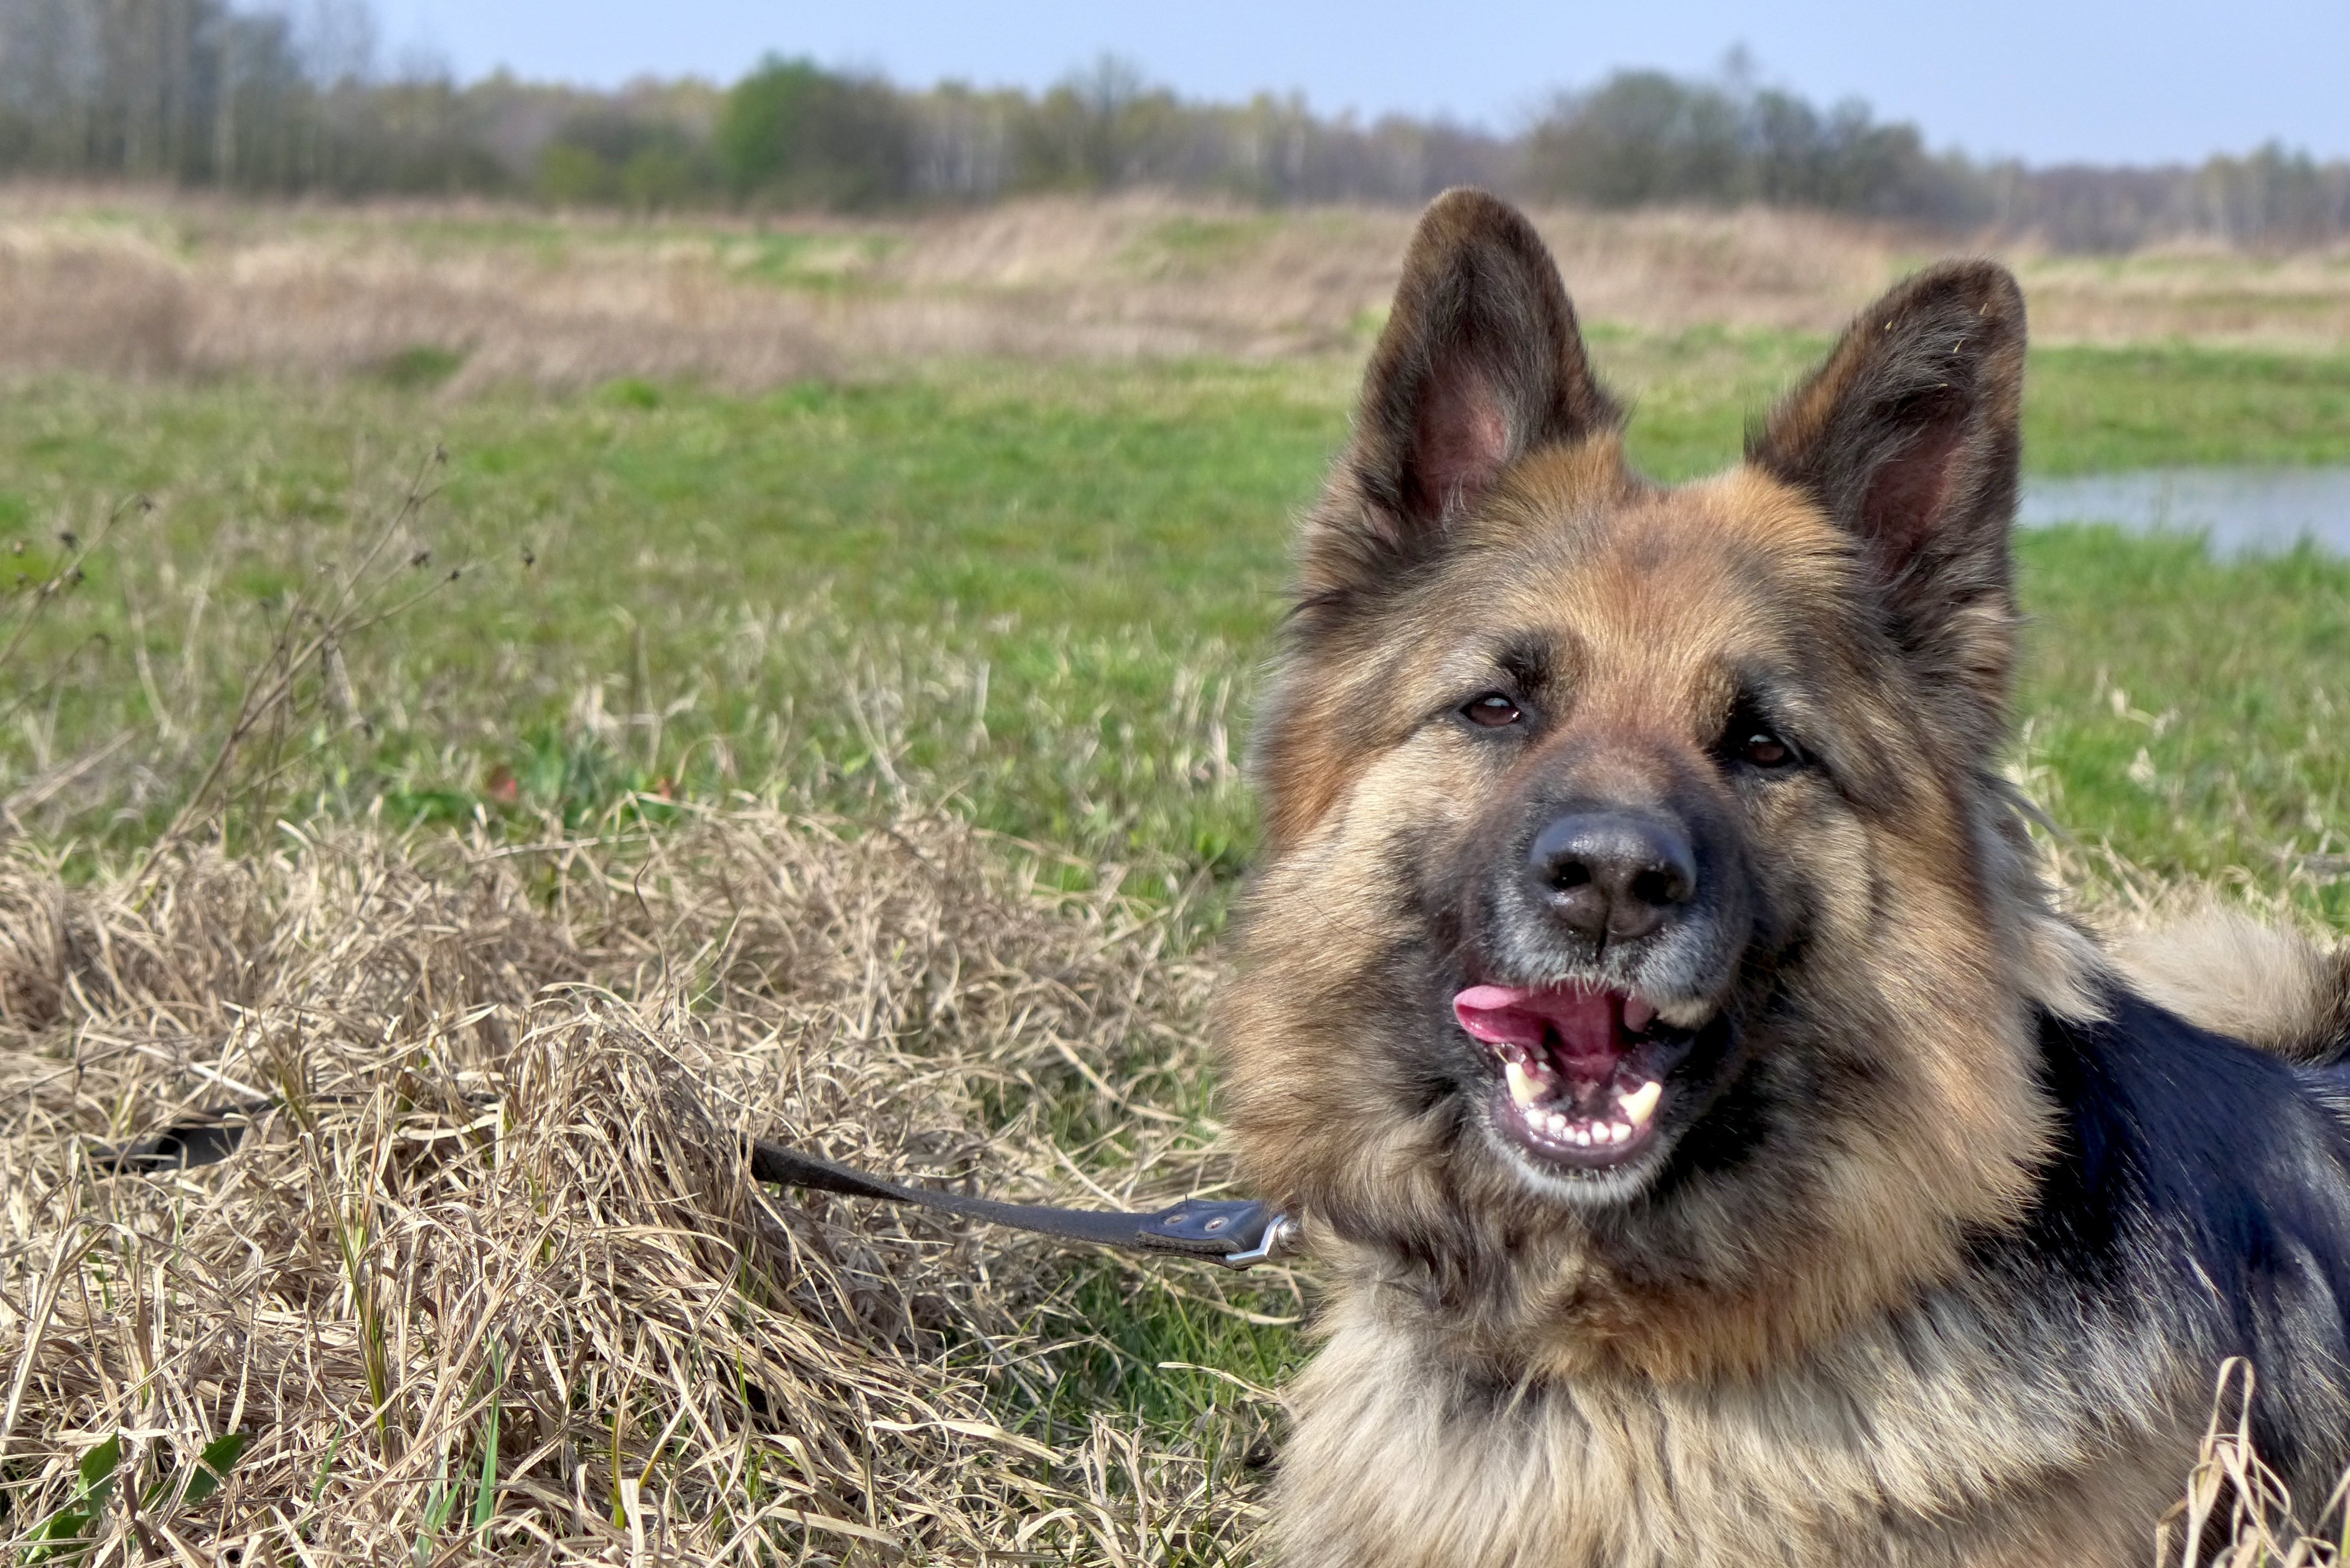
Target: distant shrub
(420, 366)
(1109, 126)
(607, 154)
(631, 392)
(795, 135)
(1644, 136)
(573, 176)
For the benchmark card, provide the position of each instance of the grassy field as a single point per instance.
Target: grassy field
(1028, 594)
(1038, 590)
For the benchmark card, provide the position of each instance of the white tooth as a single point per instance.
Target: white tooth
(1523, 1087)
(1556, 1124)
(1686, 1014)
(1641, 1103)
(1639, 1013)
(1618, 1132)
(1583, 1137)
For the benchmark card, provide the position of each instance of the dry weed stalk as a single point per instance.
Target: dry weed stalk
(493, 1279)
(35, 597)
(303, 668)
(2236, 1512)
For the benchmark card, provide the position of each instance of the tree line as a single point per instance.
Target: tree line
(206, 94)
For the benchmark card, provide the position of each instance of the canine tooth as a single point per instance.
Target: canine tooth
(1639, 1013)
(1641, 1103)
(1686, 1014)
(1523, 1087)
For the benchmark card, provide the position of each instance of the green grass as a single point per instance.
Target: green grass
(2192, 714)
(2091, 409)
(1041, 590)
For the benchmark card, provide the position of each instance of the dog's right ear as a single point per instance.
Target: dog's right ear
(1481, 363)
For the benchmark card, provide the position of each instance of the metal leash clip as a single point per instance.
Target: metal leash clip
(1250, 1231)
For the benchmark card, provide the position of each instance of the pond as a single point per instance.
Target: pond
(2237, 509)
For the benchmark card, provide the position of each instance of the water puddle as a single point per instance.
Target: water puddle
(2238, 509)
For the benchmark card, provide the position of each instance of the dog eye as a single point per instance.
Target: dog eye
(1750, 738)
(1762, 749)
(1491, 711)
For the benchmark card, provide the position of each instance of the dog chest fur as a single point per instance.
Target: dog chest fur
(1398, 1459)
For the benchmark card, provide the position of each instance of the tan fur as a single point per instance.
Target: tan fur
(2269, 987)
(1635, 1473)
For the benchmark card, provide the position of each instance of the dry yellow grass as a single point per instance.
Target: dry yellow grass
(159, 285)
(502, 1211)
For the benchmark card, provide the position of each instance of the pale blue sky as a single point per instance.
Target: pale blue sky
(2109, 80)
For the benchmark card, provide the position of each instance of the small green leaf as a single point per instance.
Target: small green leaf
(327, 1467)
(97, 1466)
(486, 1499)
(62, 1531)
(212, 1467)
(439, 1504)
(59, 1534)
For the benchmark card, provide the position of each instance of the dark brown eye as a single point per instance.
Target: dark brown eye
(1751, 738)
(1493, 710)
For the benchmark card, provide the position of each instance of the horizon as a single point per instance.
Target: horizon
(2165, 81)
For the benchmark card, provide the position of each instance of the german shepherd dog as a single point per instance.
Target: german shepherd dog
(1718, 1148)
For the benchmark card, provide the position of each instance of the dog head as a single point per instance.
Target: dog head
(1643, 956)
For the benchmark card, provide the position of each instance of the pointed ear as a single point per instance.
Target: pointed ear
(1480, 364)
(1909, 438)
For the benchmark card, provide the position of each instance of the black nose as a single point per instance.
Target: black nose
(1611, 873)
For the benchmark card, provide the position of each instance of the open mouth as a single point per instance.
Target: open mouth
(1584, 1068)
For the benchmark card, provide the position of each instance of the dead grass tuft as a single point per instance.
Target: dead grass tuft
(2237, 1512)
(90, 303)
(492, 1275)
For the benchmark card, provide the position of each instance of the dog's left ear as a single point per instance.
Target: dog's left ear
(1909, 438)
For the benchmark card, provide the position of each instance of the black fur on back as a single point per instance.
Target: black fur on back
(2201, 1194)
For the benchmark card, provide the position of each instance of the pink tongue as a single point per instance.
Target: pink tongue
(1583, 1020)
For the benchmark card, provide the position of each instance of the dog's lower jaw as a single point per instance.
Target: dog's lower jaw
(1594, 1189)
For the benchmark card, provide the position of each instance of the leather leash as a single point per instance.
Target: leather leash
(1237, 1233)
